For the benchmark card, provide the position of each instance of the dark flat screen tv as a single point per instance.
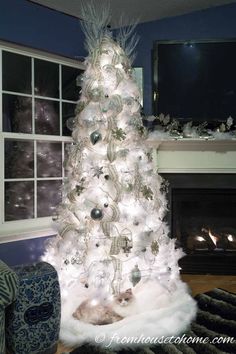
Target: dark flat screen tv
(195, 80)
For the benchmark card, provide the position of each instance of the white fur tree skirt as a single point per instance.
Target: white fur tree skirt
(160, 314)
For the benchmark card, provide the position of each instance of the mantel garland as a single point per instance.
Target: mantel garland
(165, 127)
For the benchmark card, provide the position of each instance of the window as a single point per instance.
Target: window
(38, 96)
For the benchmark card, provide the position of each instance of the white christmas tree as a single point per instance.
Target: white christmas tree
(111, 234)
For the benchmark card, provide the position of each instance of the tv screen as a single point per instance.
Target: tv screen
(195, 80)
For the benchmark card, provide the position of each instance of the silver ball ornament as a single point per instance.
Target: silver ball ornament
(95, 137)
(96, 214)
(70, 123)
(79, 80)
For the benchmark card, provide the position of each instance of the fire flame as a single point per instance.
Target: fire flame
(200, 238)
(214, 238)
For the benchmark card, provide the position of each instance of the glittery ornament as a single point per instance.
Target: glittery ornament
(70, 123)
(147, 192)
(126, 244)
(96, 214)
(97, 171)
(154, 247)
(135, 276)
(118, 134)
(79, 189)
(79, 80)
(95, 137)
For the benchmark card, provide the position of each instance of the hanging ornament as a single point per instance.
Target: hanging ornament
(135, 276)
(164, 188)
(79, 80)
(95, 137)
(106, 205)
(154, 247)
(118, 134)
(79, 189)
(73, 260)
(147, 192)
(78, 258)
(106, 177)
(75, 193)
(96, 214)
(141, 130)
(70, 123)
(66, 261)
(122, 242)
(97, 171)
(126, 245)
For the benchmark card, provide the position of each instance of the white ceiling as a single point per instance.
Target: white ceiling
(144, 10)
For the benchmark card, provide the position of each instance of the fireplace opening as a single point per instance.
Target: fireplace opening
(202, 216)
(204, 220)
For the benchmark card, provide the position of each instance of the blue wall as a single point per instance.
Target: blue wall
(32, 25)
(23, 252)
(25, 23)
(215, 23)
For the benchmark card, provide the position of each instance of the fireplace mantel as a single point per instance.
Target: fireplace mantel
(194, 155)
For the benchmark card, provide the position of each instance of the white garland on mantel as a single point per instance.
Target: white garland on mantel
(171, 129)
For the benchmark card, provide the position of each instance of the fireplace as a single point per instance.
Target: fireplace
(202, 216)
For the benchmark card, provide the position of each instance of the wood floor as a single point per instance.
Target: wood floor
(61, 349)
(198, 284)
(202, 283)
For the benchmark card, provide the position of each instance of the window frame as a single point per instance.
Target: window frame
(37, 227)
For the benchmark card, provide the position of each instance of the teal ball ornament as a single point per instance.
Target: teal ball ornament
(95, 137)
(135, 276)
(96, 214)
